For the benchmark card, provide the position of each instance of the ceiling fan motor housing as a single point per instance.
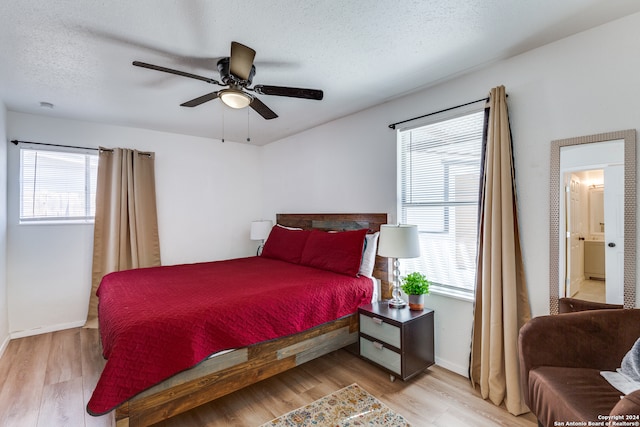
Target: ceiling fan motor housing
(229, 79)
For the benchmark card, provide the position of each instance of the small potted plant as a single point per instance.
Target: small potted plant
(416, 286)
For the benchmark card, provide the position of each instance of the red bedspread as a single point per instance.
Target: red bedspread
(156, 322)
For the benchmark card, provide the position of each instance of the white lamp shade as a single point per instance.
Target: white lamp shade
(399, 241)
(260, 229)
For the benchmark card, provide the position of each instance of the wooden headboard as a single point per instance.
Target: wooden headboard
(343, 222)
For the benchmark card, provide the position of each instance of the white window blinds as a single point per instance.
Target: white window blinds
(440, 182)
(57, 185)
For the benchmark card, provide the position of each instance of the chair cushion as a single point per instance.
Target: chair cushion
(570, 394)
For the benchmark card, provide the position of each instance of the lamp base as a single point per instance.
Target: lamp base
(397, 303)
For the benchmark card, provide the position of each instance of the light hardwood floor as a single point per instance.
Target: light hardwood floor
(46, 380)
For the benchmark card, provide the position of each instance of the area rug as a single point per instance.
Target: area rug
(350, 406)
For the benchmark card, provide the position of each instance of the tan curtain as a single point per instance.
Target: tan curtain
(126, 226)
(501, 300)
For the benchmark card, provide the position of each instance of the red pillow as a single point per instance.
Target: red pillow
(285, 244)
(338, 252)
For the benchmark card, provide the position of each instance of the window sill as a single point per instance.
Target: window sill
(451, 293)
(57, 222)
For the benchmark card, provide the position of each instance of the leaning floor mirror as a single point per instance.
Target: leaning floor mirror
(593, 219)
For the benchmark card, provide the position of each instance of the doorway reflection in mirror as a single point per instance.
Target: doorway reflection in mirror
(586, 276)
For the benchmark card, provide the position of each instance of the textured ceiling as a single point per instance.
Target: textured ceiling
(77, 54)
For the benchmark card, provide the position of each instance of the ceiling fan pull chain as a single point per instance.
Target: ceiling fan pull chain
(248, 130)
(222, 124)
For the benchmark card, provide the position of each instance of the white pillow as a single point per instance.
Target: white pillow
(369, 254)
(620, 381)
(627, 377)
(288, 228)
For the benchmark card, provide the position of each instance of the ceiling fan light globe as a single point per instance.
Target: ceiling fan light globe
(234, 98)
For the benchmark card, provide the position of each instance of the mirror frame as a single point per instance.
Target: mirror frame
(629, 137)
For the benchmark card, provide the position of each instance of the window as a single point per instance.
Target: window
(439, 185)
(57, 185)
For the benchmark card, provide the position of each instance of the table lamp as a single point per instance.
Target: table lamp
(260, 231)
(398, 241)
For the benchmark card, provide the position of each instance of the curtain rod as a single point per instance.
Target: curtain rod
(16, 142)
(393, 125)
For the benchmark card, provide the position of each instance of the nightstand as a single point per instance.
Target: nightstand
(400, 341)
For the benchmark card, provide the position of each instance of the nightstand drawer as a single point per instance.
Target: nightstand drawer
(382, 356)
(376, 328)
(398, 340)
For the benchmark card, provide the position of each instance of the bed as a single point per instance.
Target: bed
(183, 375)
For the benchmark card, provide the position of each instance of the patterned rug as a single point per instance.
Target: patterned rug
(350, 406)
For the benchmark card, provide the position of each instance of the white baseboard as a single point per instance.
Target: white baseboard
(453, 367)
(4, 345)
(47, 329)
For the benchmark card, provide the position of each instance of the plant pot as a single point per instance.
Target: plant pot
(416, 302)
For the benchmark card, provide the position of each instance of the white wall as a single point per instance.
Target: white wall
(585, 84)
(208, 192)
(4, 305)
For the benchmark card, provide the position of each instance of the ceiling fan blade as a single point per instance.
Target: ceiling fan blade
(176, 72)
(200, 100)
(292, 92)
(262, 109)
(241, 60)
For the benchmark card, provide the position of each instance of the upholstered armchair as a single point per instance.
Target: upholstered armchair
(561, 357)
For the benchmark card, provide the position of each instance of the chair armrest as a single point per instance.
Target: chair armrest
(570, 305)
(596, 339)
(629, 405)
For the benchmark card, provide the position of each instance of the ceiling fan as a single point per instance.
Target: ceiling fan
(236, 72)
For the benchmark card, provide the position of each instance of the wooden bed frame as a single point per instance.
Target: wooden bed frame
(224, 374)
